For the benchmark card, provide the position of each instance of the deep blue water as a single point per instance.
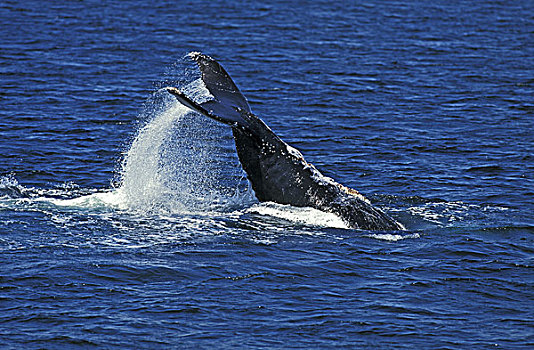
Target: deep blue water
(127, 223)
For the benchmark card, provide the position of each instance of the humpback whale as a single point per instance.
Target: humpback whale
(277, 172)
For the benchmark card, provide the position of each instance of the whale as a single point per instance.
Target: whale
(277, 171)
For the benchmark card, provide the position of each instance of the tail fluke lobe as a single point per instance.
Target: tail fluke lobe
(213, 109)
(186, 101)
(228, 104)
(218, 82)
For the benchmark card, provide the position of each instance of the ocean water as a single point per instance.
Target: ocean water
(127, 222)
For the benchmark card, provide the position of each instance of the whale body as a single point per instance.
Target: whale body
(277, 172)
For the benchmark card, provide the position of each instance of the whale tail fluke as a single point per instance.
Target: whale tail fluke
(218, 82)
(228, 104)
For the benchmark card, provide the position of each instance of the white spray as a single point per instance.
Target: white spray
(182, 162)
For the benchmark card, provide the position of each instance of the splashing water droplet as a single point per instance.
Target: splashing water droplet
(182, 162)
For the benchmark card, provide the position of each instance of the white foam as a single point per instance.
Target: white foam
(393, 237)
(304, 216)
(452, 213)
(109, 199)
(8, 181)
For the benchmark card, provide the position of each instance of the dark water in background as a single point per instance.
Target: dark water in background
(427, 108)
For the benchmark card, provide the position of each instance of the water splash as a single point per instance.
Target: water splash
(182, 162)
(142, 182)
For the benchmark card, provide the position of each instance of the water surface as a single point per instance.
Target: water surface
(125, 220)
